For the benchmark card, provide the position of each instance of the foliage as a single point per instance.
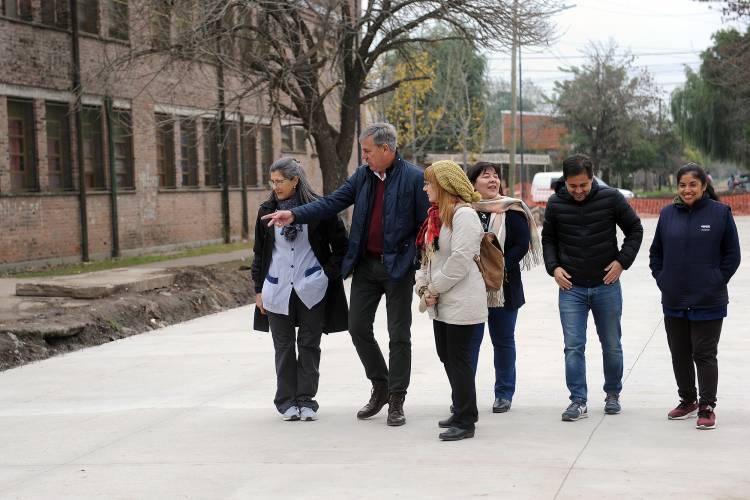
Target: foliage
(310, 60)
(608, 108)
(712, 109)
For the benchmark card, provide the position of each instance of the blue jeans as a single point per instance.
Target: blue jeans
(605, 302)
(502, 323)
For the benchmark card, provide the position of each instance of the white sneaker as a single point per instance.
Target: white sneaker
(308, 414)
(292, 413)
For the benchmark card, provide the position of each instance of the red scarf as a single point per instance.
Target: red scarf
(430, 230)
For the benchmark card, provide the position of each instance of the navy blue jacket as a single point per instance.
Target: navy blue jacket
(694, 254)
(404, 209)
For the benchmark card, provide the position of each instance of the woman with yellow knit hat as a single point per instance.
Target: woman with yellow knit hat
(451, 287)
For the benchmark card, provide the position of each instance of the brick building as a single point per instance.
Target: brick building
(541, 133)
(153, 129)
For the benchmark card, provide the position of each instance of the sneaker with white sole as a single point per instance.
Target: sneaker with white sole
(684, 410)
(307, 414)
(575, 411)
(706, 418)
(291, 414)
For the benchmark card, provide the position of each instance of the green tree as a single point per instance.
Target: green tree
(608, 108)
(712, 109)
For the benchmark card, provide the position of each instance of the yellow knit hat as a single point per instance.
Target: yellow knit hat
(453, 179)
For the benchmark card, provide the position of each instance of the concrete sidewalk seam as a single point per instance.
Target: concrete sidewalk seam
(603, 416)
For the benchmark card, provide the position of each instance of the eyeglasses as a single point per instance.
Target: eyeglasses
(274, 184)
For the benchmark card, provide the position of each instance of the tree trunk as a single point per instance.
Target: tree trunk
(334, 169)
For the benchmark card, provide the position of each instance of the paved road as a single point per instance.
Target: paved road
(186, 412)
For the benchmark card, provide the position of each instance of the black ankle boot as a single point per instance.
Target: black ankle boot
(378, 399)
(396, 409)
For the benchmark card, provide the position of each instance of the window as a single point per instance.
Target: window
(118, 19)
(249, 156)
(160, 24)
(21, 145)
(165, 151)
(266, 152)
(88, 16)
(188, 153)
(233, 161)
(19, 9)
(55, 13)
(210, 153)
(91, 135)
(122, 136)
(292, 139)
(60, 173)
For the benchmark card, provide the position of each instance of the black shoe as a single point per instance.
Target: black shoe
(396, 409)
(456, 434)
(446, 423)
(501, 405)
(378, 399)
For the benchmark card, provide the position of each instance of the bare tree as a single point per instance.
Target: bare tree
(311, 58)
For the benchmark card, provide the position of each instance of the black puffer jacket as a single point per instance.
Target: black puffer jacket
(581, 236)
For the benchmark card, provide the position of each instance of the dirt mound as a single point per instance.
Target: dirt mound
(63, 327)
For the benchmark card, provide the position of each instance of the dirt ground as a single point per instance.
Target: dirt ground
(54, 325)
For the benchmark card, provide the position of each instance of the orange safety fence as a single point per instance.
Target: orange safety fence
(650, 207)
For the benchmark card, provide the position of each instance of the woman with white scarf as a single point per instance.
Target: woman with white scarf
(511, 221)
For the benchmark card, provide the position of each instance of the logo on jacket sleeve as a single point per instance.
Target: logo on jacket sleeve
(705, 227)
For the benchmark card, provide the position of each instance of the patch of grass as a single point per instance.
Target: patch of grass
(103, 265)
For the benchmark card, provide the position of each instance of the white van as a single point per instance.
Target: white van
(542, 186)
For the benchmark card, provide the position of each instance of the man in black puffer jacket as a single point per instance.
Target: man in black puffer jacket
(580, 251)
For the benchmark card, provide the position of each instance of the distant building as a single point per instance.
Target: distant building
(541, 133)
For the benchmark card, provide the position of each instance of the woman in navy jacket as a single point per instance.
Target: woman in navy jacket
(693, 256)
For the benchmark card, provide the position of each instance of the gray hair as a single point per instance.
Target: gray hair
(290, 168)
(381, 133)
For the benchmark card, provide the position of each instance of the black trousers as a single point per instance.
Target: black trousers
(453, 343)
(693, 345)
(369, 283)
(297, 376)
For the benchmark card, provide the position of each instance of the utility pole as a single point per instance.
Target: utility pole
(513, 106)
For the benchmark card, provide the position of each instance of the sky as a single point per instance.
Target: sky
(664, 35)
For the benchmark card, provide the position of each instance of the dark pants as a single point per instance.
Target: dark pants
(369, 283)
(297, 376)
(693, 344)
(453, 343)
(502, 326)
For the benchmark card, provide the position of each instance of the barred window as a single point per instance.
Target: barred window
(118, 19)
(59, 165)
(55, 13)
(210, 153)
(122, 132)
(165, 164)
(266, 152)
(88, 16)
(188, 153)
(91, 135)
(250, 156)
(18, 9)
(21, 145)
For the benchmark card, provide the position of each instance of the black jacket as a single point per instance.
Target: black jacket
(328, 243)
(581, 237)
(694, 254)
(517, 238)
(404, 209)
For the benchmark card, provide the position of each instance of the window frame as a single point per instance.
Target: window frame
(122, 138)
(165, 156)
(94, 173)
(64, 157)
(27, 152)
(188, 152)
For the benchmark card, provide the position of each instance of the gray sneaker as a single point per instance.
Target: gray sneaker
(612, 404)
(307, 414)
(501, 405)
(575, 411)
(291, 414)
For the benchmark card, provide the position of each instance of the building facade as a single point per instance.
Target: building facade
(148, 133)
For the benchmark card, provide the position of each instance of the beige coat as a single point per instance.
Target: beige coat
(453, 274)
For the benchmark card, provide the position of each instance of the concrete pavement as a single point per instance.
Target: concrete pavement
(186, 412)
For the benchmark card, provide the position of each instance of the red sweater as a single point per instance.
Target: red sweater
(375, 230)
